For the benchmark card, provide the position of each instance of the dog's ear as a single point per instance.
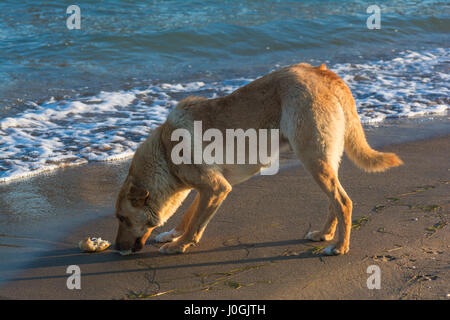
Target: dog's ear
(137, 195)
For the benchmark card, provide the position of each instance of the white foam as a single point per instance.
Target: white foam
(110, 125)
(409, 85)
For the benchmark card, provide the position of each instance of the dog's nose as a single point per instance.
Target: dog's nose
(137, 245)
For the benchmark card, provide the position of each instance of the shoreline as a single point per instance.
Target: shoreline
(439, 122)
(87, 195)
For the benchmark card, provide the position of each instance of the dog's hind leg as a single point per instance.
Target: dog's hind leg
(179, 230)
(326, 177)
(328, 229)
(316, 134)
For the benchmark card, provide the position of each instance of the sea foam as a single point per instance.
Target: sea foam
(110, 125)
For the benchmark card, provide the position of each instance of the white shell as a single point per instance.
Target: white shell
(93, 244)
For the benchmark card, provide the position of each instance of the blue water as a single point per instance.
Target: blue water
(140, 57)
(126, 43)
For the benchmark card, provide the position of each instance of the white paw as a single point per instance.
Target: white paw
(125, 252)
(163, 250)
(167, 236)
(309, 235)
(169, 248)
(315, 236)
(332, 251)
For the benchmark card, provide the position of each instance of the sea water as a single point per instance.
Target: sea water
(73, 96)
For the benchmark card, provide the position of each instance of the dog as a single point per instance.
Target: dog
(315, 113)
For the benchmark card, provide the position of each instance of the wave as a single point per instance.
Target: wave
(110, 125)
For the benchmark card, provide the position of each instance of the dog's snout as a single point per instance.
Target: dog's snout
(117, 246)
(138, 245)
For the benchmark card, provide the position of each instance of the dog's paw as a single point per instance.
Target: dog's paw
(313, 236)
(169, 236)
(331, 250)
(173, 248)
(317, 236)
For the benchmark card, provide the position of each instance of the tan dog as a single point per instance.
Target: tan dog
(316, 116)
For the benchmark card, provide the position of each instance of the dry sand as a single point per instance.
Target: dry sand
(254, 247)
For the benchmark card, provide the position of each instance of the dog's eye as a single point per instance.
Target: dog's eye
(121, 219)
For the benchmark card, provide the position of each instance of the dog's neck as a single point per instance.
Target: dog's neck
(167, 193)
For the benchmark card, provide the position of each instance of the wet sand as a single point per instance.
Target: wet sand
(254, 247)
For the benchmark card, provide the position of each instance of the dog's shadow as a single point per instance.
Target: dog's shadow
(73, 256)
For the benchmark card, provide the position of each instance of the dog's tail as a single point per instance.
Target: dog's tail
(355, 143)
(359, 151)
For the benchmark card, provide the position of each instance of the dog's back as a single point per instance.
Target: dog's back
(315, 113)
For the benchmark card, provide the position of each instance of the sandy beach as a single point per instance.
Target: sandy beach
(83, 85)
(254, 247)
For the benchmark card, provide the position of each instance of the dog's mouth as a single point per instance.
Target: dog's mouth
(138, 245)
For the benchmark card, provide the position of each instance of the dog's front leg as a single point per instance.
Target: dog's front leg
(177, 232)
(210, 197)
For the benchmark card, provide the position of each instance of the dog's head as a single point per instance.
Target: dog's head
(149, 196)
(135, 216)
